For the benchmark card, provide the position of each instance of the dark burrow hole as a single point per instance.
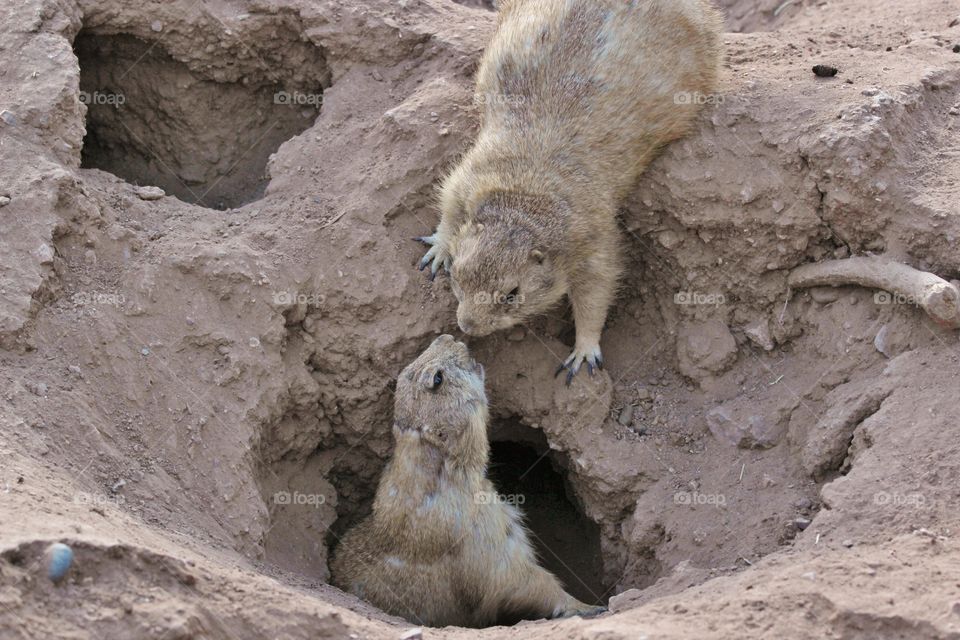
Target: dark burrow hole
(152, 120)
(526, 472)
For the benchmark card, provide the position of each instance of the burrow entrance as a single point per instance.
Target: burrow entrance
(203, 132)
(567, 542)
(526, 473)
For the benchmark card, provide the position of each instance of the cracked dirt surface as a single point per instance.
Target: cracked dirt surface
(195, 392)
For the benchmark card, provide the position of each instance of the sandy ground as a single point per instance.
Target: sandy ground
(195, 390)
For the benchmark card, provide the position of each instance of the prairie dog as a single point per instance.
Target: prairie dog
(578, 96)
(437, 550)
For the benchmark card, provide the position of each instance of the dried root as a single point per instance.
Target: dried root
(939, 298)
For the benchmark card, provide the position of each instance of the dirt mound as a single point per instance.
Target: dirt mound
(196, 388)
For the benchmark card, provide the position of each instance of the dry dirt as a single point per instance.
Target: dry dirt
(195, 391)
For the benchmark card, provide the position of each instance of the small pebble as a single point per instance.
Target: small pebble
(644, 394)
(8, 117)
(150, 193)
(58, 558)
(801, 523)
(626, 415)
(145, 351)
(847, 543)
(156, 26)
(956, 48)
(825, 71)
(4, 201)
(412, 634)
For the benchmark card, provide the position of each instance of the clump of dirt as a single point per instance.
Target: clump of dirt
(197, 391)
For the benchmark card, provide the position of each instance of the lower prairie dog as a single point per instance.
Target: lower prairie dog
(437, 549)
(578, 96)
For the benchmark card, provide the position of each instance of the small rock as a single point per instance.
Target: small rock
(37, 388)
(893, 338)
(75, 370)
(643, 394)
(803, 503)
(144, 351)
(759, 334)
(45, 253)
(669, 239)
(956, 48)
(156, 26)
(412, 634)
(824, 295)
(150, 193)
(847, 543)
(254, 342)
(810, 575)
(119, 484)
(377, 75)
(705, 348)
(727, 424)
(58, 558)
(801, 523)
(223, 349)
(4, 201)
(8, 117)
(626, 415)
(825, 71)
(870, 92)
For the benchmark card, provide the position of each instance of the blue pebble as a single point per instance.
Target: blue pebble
(59, 559)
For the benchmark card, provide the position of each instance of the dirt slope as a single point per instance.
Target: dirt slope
(195, 389)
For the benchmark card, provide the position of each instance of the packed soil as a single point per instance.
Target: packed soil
(195, 385)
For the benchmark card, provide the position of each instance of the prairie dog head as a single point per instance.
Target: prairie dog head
(504, 271)
(440, 398)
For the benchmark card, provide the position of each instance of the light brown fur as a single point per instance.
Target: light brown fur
(578, 97)
(437, 550)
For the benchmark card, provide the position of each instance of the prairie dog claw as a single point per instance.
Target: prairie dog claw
(591, 356)
(436, 257)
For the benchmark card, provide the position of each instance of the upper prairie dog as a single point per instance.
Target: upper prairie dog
(438, 549)
(578, 96)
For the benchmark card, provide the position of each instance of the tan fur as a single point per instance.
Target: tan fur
(436, 549)
(578, 97)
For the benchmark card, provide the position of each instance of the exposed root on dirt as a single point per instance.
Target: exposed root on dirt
(939, 298)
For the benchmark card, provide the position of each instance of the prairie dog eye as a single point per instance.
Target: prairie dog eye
(513, 294)
(437, 379)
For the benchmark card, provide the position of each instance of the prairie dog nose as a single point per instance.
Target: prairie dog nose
(465, 325)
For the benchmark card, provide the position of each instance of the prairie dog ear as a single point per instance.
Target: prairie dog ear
(538, 256)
